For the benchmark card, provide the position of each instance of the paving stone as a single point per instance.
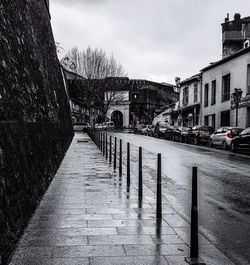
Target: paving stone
(120, 239)
(114, 223)
(57, 224)
(32, 252)
(72, 231)
(61, 211)
(128, 261)
(88, 251)
(176, 260)
(53, 240)
(167, 239)
(143, 230)
(157, 250)
(184, 233)
(55, 261)
(133, 216)
(110, 211)
(175, 220)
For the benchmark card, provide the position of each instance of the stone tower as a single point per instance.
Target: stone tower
(235, 34)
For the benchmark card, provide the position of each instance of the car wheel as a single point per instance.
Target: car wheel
(224, 146)
(210, 143)
(233, 147)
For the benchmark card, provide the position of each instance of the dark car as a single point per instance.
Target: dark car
(138, 128)
(81, 127)
(241, 142)
(199, 134)
(160, 129)
(180, 133)
(169, 132)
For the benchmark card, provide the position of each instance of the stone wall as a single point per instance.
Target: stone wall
(35, 123)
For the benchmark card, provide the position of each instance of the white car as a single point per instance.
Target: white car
(223, 136)
(145, 130)
(108, 125)
(98, 126)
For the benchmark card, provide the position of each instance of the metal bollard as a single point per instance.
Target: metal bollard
(194, 243)
(101, 142)
(115, 153)
(120, 159)
(103, 148)
(110, 149)
(128, 165)
(159, 195)
(140, 191)
(106, 147)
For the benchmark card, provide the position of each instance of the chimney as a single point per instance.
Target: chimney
(227, 18)
(237, 16)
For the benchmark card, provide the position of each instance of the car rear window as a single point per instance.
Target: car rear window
(207, 129)
(236, 131)
(246, 131)
(164, 125)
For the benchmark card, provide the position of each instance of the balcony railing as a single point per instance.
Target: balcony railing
(232, 35)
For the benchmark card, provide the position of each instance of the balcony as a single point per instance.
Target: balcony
(232, 36)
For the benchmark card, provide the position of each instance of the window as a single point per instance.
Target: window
(248, 79)
(206, 120)
(206, 95)
(225, 87)
(225, 118)
(213, 121)
(213, 94)
(195, 92)
(185, 96)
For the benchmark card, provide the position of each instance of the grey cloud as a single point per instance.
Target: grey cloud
(150, 38)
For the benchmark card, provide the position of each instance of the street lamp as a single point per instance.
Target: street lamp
(236, 96)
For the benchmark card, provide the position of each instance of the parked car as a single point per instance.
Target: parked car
(169, 132)
(108, 125)
(241, 142)
(81, 127)
(199, 134)
(146, 129)
(160, 129)
(151, 130)
(138, 128)
(223, 137)
(180, 133)
(98, 126)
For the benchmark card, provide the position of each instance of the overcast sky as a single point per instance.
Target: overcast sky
(153, 39)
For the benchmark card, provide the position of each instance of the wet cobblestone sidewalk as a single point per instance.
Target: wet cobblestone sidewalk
(87, 216)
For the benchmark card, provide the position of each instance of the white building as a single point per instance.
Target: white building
(219, 81)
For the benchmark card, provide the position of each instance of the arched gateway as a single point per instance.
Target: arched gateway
(117, 118)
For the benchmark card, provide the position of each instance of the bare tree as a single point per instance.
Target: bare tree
(93, 63)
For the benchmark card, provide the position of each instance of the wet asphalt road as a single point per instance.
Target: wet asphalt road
(224, 188)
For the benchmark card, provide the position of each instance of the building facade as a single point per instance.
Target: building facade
(186, 112)
(189, 102)
(219, 83)
(127, 102)
(81, 110)
(141, 101)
